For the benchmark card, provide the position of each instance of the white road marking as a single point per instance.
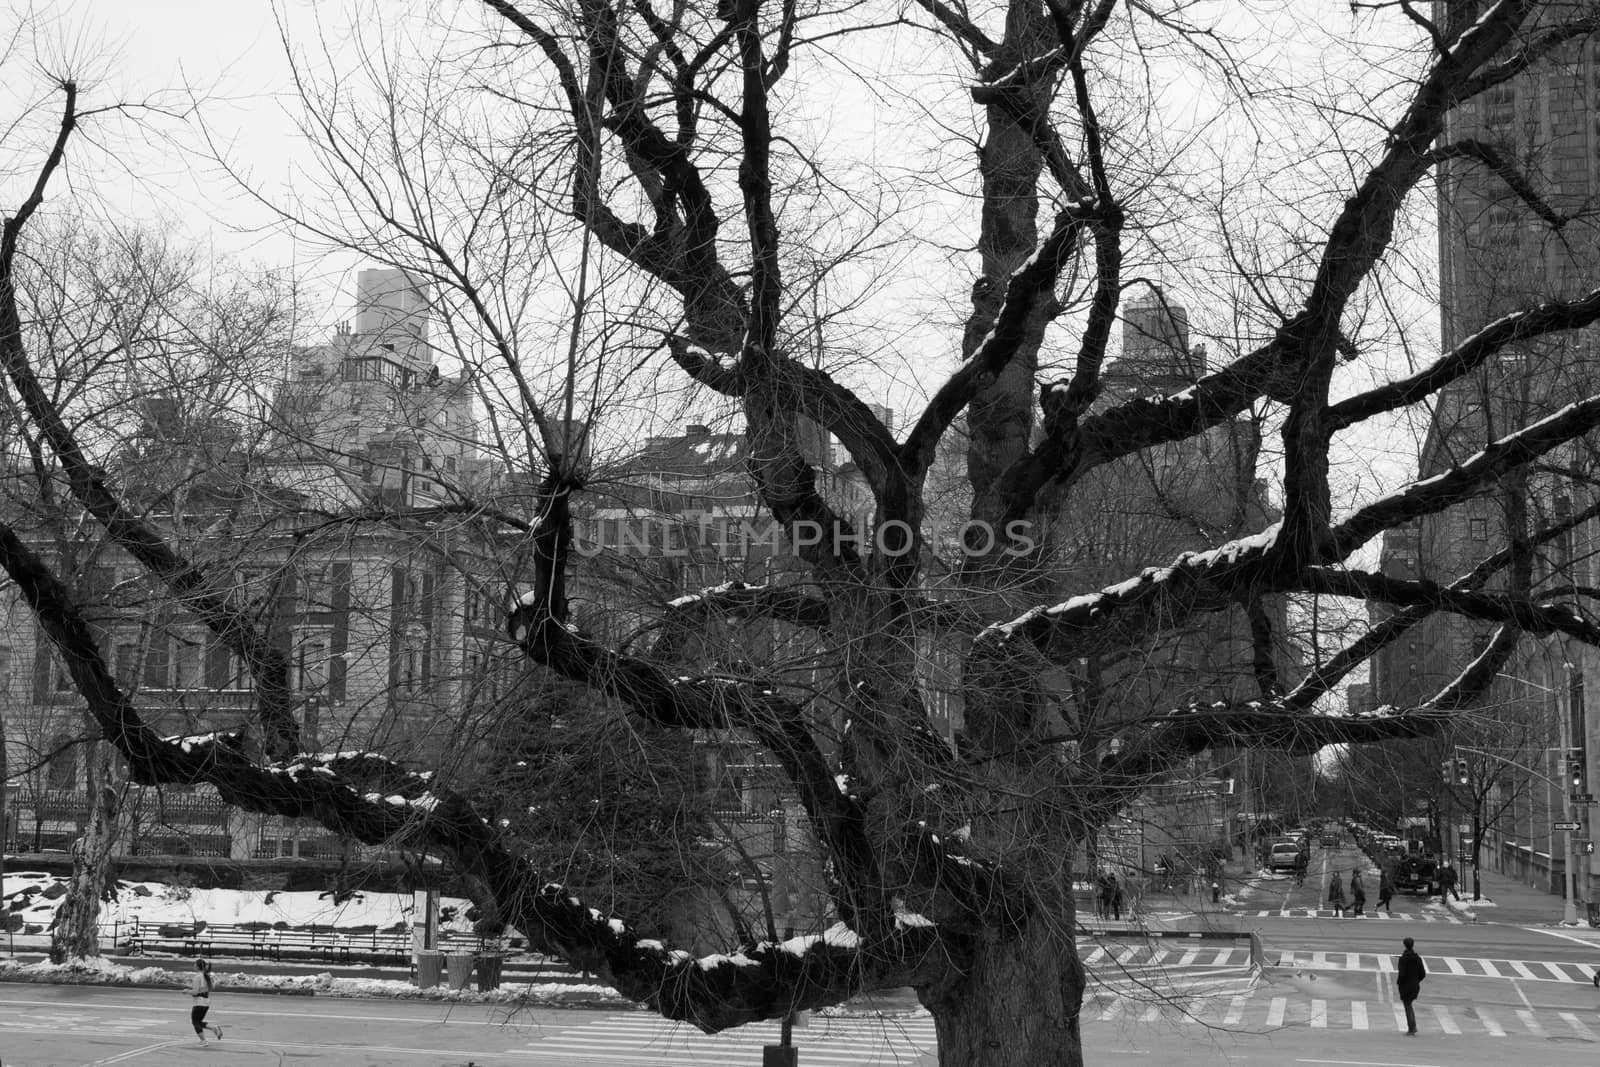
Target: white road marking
(1447, 1022)
(1275, 1012)
(1561, 976)
(1319, 1014)
(132, 1053)
(1454, 965)
(1235, 1011)
(1529, 1023)
(1489, 968)
(1522, 969)
(1489, 1024)
(1358, 1015)
(1577, 1026)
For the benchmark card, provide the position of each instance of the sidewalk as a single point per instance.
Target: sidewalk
(1506, 900)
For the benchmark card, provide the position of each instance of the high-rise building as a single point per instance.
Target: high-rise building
(1505, 244)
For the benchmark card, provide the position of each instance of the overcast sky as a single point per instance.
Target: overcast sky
(227, 57)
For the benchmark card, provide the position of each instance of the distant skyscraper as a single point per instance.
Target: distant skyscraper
(1155, 346)
(1505, 245)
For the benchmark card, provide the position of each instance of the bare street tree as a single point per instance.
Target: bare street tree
(665, 150)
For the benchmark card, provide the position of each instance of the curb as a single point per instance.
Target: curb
(554, 1000)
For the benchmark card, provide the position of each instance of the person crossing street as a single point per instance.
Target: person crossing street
(1385, 892)
(1409, 973)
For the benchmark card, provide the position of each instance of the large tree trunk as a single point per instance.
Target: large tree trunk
(1017, 1005)
(75, 932)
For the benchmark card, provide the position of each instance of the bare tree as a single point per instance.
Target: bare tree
(948, 866)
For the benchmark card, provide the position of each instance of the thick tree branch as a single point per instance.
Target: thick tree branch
(539, 625)
(1309, 341)
(1549, 317)
(1508, 172)
(1541, 619)
(371, 799)
(1432, 495)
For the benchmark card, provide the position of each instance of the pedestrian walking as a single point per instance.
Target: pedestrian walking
(1358, 894)
(1102, 895)
(1448, 878)
(1409, 973)
(1385, 892)
(200, 991)
(1116, 898)
(1336, 895)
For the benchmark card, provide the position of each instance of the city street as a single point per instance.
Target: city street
(1495, 990)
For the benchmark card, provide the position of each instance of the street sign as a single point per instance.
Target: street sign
(1567, 826)
(1583, 798)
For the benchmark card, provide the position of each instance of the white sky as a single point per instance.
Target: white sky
(227, 57)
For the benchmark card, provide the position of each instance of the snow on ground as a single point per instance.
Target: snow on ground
(104, 972)
(1467, 907)
(35, 896)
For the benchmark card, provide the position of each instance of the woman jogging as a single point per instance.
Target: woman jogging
(200, 990)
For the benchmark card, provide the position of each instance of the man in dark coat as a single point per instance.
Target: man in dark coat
(1447, 882)
(1409, 973)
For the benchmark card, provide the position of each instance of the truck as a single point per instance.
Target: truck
(1416, 873)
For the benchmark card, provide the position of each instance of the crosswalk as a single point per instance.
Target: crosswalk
(648, 1041)
(1254, 1015)
(1326, 913)
(1464, 966)
(1154, 956)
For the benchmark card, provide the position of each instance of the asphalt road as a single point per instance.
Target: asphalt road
(1495, 993)
(94, 1026)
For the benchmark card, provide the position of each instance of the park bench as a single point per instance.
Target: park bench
(273, 942)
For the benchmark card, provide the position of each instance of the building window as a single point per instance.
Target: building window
(62, 770)
(311, 662)
(61, 678)
(188, 663)
(127, 658)
(1478, 529)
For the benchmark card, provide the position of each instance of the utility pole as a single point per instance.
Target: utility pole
(1569, 910)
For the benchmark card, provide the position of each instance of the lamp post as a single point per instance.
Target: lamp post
(1569, 909)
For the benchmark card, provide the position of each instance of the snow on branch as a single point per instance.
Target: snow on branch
(1195, 581)
(1548, 317)
(784, 603)
(1429, 496)
(956, 891)
(715, 702)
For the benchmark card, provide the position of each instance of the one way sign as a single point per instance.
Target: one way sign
(1566, 826)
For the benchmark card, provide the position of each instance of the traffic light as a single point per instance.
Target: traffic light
(1461, 770)
(1575, 768)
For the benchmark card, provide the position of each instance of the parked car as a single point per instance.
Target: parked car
(1285, 856)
